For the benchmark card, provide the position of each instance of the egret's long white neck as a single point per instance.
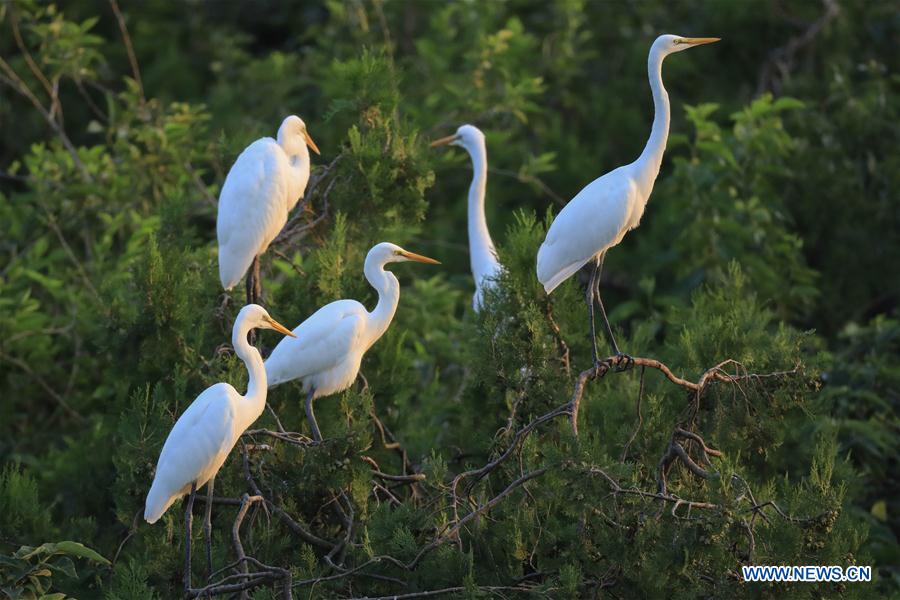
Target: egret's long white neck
(651, 158)
(388, 288)
(482, 255)
(255, 398)
(298, 159)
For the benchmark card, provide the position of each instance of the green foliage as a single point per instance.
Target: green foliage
(28, 573)
(768, 251)
(726, 199)
(862, 380)
(21, 512)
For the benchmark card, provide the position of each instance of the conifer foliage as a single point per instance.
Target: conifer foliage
(478, 455)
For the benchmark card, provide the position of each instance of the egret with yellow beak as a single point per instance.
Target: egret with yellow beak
(205, 433)
(598, 217)
(327, 348)
(262, 187)
(483, 259)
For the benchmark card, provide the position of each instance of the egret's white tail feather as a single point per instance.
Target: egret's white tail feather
(157, 503)
(551, 280)
(232, 268)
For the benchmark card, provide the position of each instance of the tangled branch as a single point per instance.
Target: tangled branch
(712, 374)
(244, 580)
(685, 446)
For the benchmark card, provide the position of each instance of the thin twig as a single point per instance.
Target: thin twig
(41, 382)
(713, 374)
(478, 511)
(639, 416)
(29, 60)
(13, 80)
(293, 525)
(120, 19)
(526, 179)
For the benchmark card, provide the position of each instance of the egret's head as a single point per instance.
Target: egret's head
(669, 44)
(292, 135)
(386, 252)
(254, 316)
(467, 136)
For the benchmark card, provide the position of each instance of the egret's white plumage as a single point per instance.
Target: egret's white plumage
(599, 216)
(485, 265)
(328, 346)
(206, 432)
(264, 184)
(596, 219)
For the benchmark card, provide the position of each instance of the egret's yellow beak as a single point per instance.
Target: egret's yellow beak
(311, 143)
(699, 41)
(444, 141)
(419, 258)
(279, 327)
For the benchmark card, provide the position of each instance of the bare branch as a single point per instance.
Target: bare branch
(557, 334)
(639, 416)
(126, 39)
(713, 374)
(35, 70)
(387, 477)
(777, 68)
(13, 80)
(245, 579)
(678, 502)
(478, 511)
(41, 382)
(526, 178)
(293, 525)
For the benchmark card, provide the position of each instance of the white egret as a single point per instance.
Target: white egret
(327, 348)
(482, 255)
(264, 184)
(205, 433)
(598, 217)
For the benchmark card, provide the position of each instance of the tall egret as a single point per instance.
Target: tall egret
(599, 216)
(482, 255)
(264, 184)
(206, 432)
(327, 348)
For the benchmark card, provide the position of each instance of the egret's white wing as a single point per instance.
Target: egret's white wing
(252, 208)
(197, 445)
(323, 341)
(591, 222)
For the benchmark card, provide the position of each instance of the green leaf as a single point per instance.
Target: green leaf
(64, 565)
(81, 551)
(788, 103)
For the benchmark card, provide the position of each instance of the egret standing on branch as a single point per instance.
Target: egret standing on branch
(482, 255)
(264, 184)
(328, 347)
(599, 216)
(206, 432)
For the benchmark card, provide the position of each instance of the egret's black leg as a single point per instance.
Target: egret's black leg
(629, 361)
(257, 282)
(252, 273)
(311, 417)
(207, 525)
(589, 298)
(188, 525)
(253, 287)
